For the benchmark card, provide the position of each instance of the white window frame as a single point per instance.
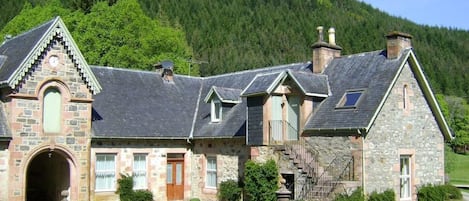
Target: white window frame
(405, 177)
(217, 109)
(211, 171)
(108, 171)
(52, 110)
(139, 171)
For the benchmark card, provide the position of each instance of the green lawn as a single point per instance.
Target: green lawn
(460, 174)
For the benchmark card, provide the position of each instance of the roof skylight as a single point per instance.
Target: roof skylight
(350, 99)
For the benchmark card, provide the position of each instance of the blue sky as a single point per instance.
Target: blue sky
(447, 13)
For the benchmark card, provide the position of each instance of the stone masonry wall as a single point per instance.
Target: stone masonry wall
(24, 110)
(412, 131)
(231, 155)
(157, 152)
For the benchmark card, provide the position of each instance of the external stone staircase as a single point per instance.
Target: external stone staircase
(316, 182)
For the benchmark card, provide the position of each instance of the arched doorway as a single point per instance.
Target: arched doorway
(48, 175)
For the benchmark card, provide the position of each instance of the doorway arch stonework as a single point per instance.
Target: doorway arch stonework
(58, 175)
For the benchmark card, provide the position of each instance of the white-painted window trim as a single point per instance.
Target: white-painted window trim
(105, 172)
(139, 171)
(405, 177)
(211, 172)
(217, 109)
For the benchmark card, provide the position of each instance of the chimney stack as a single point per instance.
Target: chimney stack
(396, 42)
(165, 68)
(324, 52)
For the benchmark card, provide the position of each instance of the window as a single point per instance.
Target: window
(51, 114)
(211, 172)
(140, 171)
(350, 99)
(405, 98)
(105, 172)
(216, 110)
(405, 177)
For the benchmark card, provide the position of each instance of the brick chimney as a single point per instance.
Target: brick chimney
(324, 52)
(396, 42)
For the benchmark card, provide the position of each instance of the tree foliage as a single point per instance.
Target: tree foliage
(456, 112)
(261, 181)
(120, 35)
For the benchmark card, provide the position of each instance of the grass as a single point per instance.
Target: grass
(461, 168)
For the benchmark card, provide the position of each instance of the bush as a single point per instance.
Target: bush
(387, 195)
(261, 181)
(126, 192)
(229, 191)
(438, 192)
(357, 195)
(194, 199)
(143, 195)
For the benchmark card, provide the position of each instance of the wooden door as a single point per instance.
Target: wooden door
(175, 179)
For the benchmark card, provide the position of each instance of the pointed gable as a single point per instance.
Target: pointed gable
(225, 95)
(23, 51)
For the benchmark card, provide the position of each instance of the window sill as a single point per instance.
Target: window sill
(210, 190)
(105, 191)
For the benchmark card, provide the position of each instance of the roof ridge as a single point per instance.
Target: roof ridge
(138, 71)
(270, 68)
(361, 53)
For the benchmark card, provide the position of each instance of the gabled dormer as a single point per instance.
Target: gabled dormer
(279, 104)
(221, 99)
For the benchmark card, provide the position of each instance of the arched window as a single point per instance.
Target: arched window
(51, 113)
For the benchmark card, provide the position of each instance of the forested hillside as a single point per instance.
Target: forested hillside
(243, 34)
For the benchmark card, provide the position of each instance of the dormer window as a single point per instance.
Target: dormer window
(216, 110)
(219, 97)
(350, 99)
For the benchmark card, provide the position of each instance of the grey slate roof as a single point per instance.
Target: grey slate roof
(263, 83)
(17, 49)
(371, 71)
(138, 104)
(226, 95)
(311, 84)
(233, 121)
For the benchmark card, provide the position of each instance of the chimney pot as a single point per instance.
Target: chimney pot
(332, 36)
(320, 31)
(324, 53)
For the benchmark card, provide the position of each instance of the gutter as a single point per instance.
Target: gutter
(137, 138)
(220, 137)
(338, 130)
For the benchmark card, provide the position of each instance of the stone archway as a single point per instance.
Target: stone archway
(48, 177)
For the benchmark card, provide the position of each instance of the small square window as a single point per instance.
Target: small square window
(350, 99)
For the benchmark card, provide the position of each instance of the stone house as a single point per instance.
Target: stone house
(69, 129)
